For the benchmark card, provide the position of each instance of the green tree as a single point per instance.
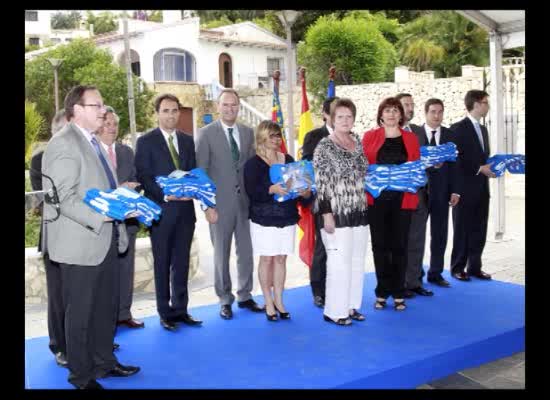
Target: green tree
(224, 20)
(462, 41)
(83, 63)
(31, 47)
(104, 22)
(62, 20)
(354, 45)
(154, 16)
(33, 124)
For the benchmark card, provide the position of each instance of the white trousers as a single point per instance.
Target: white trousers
(346, 249)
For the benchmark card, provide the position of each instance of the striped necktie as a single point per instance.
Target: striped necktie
(173, 151)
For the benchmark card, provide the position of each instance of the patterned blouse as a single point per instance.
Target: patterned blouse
(340, 181)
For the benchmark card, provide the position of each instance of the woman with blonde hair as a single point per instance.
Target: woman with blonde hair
(272, 223)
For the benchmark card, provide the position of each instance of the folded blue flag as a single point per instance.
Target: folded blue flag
(295, 177)
(514, 163)
(433, 155)
(406, 177)
(195, 184)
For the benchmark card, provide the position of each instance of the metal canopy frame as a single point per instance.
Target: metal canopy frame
(506, 30)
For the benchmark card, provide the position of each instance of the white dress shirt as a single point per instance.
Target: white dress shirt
(429, 133)
(175, 141)
(235, 134)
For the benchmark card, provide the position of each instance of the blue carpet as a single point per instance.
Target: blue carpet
(460, 327)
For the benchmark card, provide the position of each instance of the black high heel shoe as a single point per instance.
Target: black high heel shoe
(271, 317)
(283, 315)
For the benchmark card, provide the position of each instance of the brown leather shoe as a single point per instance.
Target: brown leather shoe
(461, 276)
(482, 275)
(132, 323)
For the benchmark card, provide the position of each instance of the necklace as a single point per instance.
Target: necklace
(348, 145)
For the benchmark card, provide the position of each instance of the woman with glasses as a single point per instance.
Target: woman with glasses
(340, 168)
(272, 223)
(390, 213)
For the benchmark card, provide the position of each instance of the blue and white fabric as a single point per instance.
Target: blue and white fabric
(433, 155)
(195, 184)
(294, 177)
(406, 177)
(514, 163)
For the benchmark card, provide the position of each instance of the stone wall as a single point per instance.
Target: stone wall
(35, 275)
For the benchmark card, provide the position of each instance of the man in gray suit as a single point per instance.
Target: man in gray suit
(223, 147)
(84, 242)
(122, 161)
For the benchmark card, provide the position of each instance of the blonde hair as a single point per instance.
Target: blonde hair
(264, 129)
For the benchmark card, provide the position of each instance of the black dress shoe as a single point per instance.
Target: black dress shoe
(92, 385)
(116, 346)
(482, 275)
(461, 276)
(271, 317)
(356, 315)
(408, 294)
(188, 320)
(168, 325)
(226, 312)
(340, 321)
(121, 371)
(439, 282)
(132, 323)
(283, 315)
(61, 359)
(319, 301)
(251, 305)
(422, 291)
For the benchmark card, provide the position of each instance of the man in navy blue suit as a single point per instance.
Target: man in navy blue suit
(160, 152)
(470, 216)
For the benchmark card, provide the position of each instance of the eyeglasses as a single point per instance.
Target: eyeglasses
(99, 106)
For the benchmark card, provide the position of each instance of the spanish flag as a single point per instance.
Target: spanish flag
(306, 231)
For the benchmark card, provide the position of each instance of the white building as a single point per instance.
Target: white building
(180, 51)
(38, 30)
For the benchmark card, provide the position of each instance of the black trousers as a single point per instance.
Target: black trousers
(318, 270)
(470, 233)
(90, 295)
(389, 229)
(171, 244)
(56, 309)
(439, 228)
(127, 271)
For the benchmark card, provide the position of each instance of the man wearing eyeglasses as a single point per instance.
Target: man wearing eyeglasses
(470, 215)
(84, 242)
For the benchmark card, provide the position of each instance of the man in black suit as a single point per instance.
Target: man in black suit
(56, 312)
(318, 270)
(470, 216)
(419, 217)
(441, 190)
(122, 161)
(160, 152)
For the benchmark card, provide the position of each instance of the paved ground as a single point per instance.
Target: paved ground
(504, 259)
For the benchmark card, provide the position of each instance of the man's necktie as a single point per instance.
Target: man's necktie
(112, 155)
(234, 147)
(432, 140)
(479, 135)
(173, 151)
(110, 176)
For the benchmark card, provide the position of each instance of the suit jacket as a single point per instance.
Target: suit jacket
(214, 156)
(153, 159)
(126, 172)
(311, 141)
(442, 182)
(80, 235)
(373, 141)
(470, 157)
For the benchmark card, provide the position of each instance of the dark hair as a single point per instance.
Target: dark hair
(473, 96)
(327, 103)
(166, 96)
(74, 97)
(347, 103)
(399, 96)
(229, 90)
(431, 102)
(390, 102)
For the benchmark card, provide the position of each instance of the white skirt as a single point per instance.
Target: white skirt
(272, 241)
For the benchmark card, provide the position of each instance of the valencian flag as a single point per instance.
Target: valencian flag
(331, 90)
(306, 231)
(276, 113)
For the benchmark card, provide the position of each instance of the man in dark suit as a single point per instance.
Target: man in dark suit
(122, 161)
(56, 312)
(470, 216)
(419, 217)
(84, 242)
(318, 270)
(440, 193)
(160, 152)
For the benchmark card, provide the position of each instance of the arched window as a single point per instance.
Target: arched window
(174, 65)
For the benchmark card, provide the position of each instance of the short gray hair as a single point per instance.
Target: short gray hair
(58, 121)
(109, 109)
